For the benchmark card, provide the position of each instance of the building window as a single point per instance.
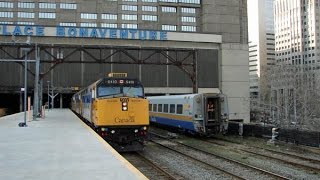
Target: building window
(109, 25)
(25, 23)
(188, 10)
(169, 27)
(5, 22)
(171, 1)
(26, 5)
(47, 5)
(129, 8)
(6, 14)
(149, 18)
(88, 24)
(47, 15)
(149, 8)
(88, 16)
(68, 6)
(68, 24)
(190, 1)
(109, 16)
(129, 26)
(149, 0)
(189, 28)
(25, 15)
(129, 17)
(168, 9)
(6, 5)
(188, 19)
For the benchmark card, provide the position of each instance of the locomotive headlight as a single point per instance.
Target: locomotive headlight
(136, 130)
(124, 106)
(103, 129)
(113, 131)
(144, 128)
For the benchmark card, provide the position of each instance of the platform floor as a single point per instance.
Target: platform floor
(58, 147)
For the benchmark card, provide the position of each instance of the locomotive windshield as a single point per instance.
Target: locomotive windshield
(119, 87)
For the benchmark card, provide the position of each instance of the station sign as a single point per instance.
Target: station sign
(83, 32)
(106, 33)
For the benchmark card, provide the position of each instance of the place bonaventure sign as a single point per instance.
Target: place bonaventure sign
(83, 32)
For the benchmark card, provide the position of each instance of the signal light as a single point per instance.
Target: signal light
(124, 106)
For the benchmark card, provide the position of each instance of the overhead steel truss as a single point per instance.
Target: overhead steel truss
(186, 62)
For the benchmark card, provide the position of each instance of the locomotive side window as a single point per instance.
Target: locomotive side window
(150, 107)
(179, 109)
(165, 108)
(159, 107)
(172, 108)
(155, 108)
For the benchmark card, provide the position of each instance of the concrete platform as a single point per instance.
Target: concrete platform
(58, 147)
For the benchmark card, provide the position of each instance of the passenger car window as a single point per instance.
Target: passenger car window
(154, 108)
(159, 107)
(165, 108)
(179, 109)
(150, 107)
(172, 108)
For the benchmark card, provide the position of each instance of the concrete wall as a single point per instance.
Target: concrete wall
(234, 80)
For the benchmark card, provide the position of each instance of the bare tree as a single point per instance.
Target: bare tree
(295, 96)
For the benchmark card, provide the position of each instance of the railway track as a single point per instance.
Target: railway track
(309, 164)
(239, 170)
(149, 168)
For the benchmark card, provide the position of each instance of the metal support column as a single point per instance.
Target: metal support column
(195, 72)
(36, 87)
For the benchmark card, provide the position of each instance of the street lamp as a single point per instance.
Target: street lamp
(26, 50)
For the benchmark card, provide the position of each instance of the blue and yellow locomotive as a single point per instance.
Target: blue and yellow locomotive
(115, 107)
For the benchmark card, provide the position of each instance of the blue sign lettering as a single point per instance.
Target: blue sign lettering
(163, 35)
(103, 33)
(142, 35)
(40, 31)
(72, 32)
(152, 35)
(17, 31)
(28, 30)
(113, 33)
(60, 31)
(124, 34)
(133, 34)
(83, 32)
(94, 33)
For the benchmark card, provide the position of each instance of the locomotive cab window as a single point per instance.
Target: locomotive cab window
(116, 87)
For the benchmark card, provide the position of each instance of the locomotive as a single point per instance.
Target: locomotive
(191, 112)
(116, 108)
